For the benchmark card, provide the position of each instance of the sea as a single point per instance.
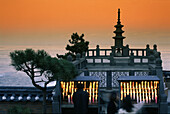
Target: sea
(10, 77)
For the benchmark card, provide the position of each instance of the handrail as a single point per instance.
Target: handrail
(98, 52)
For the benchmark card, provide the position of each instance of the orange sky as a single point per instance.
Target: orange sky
(55, 20)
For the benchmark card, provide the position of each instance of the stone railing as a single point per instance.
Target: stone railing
(130, 56)
(79, 63)
(98, 52)
(138, 52)
(107, 52)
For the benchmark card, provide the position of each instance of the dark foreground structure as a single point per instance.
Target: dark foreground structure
(24, 97)
(134, 72)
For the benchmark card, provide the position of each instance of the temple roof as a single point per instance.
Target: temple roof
(138, 78)
(86, 78)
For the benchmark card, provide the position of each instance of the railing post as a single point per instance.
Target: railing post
(143, 53)
(105, 52)
(111, 60)
(97, 51)
(127, 46)
(151, 58)
(113, 50)
(93, 53)
(132, 51)
(78, 56)
(147, 50)
(87, 53)
(86, 72)
(155, 47)
(69, 58)
(137, 52)
(132, 59)
(83, 54)
(125, 51)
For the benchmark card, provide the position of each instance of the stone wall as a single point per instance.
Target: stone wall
(35, 107)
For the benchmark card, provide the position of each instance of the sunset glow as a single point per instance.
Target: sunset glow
(57, 19)
(76, 14)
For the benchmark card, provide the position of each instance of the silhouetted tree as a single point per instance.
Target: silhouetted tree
(42, 68)
(77, 45)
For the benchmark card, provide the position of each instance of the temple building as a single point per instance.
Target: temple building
(134, 72)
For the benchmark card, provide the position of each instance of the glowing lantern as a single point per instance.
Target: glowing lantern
(140, 88)
(90, 84)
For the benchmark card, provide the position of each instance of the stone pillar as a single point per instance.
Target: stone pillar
(159, 73)
(78, 56)
(147, 50)
(155, 47)
(83, 54)
(113, 50)
(109, 79)
(151, 59)
(86, 72)
(111, 60)
(127, 46)
(97, 51)
(87, 53)
(69, 58)
(157, 54)
(125, 51)
(163, 105)
(56, 104)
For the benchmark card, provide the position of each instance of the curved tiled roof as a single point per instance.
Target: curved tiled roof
(22, 94)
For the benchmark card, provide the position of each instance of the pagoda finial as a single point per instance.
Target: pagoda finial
(118, 32)
(118, 16)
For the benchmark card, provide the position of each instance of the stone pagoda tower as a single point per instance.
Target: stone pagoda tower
(119, 38)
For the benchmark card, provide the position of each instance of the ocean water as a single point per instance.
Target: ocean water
(10, 77)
